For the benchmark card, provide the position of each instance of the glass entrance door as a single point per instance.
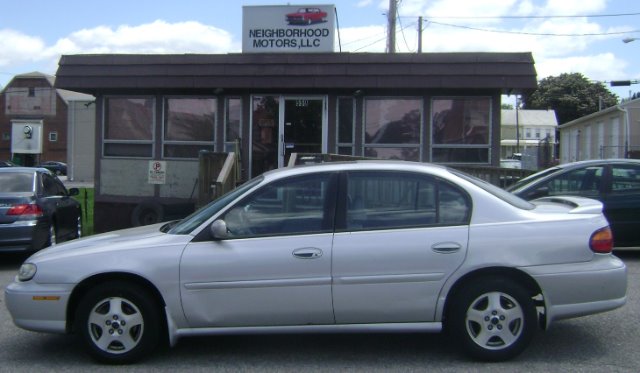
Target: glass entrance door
(284, 125)
(302, 132)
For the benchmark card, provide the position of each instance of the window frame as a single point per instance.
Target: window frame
(488, 146)
(435, 181)
(328, 220)
(106, 142)
(209, 145)
(418, 145)
(351, 144)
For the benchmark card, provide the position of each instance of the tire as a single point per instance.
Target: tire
(119, 323)
(147, 213)
(52, 238)
(493, 319)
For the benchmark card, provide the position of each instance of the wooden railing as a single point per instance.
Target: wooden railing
(218, 174)
(501, 177)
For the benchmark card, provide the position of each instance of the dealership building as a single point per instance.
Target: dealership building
(287, 92)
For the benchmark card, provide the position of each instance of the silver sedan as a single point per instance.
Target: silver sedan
(376, 246)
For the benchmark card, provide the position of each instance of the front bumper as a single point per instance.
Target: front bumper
(579, 289)
(36, 307)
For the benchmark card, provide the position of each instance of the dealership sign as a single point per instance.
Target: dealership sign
(290, 28)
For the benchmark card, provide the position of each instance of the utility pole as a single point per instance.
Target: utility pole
(420, 34)
(391, 19)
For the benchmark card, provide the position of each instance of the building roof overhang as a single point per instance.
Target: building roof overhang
(509, 73)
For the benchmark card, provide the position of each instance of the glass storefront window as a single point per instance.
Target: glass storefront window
(265, 133)
(128, 126)
(189, 126)
(346, 114)
(461, 129)
(233, 122)
(392, 128)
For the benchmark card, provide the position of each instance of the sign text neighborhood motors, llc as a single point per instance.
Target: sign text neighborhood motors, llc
(290, 28)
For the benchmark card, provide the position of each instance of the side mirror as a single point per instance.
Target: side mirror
(74, 191)
(219, 229)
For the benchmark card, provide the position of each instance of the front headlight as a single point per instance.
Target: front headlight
(27, 271)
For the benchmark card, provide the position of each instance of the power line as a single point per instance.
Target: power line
(533, 17)
(532, 33)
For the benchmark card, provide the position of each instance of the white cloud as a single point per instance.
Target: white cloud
(17, 48)
(159, 37)
(599, 67)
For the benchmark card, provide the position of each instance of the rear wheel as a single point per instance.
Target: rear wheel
(494, 319)
(119, 323)
(52, 239)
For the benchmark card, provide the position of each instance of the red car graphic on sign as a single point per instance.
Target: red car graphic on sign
(306, 16)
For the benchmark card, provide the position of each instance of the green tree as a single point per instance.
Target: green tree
(572, 96)
(504, 106)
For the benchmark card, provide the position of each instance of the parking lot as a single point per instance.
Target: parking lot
(604, 342)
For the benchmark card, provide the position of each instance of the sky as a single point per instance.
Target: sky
(564, 36)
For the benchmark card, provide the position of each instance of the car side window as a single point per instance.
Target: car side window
(584, 181)
(625, 178)
(401, 200)
(299, 205)
(53, 187)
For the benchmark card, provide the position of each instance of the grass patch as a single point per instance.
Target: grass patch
(86, 200)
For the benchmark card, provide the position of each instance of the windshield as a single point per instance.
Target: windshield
(191, 222)
(496, 191)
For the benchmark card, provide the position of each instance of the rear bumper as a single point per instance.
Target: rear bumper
(579, 289)
(18, 236)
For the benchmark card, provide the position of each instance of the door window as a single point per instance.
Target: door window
(300, 205)
(396, 200)
(625, 179)
(584, 181)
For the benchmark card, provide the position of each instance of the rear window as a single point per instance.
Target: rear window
(16, 182)
(496, 191)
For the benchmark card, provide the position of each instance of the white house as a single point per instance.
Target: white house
(523, 131)
(610, 133)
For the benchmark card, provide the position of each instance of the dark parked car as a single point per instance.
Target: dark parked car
(36, 210)
(614, 182)
(58, 168)
(7, 164)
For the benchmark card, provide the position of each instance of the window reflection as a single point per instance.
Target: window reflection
(129, 119)
(128, 126)
(392, 121)
(189, 126)
(190, 119)
(461, 121)
(460, 130)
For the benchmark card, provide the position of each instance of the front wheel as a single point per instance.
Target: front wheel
(119, 323)
(494, 319)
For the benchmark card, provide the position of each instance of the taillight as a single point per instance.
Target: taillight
(601, 241)
(25, 210)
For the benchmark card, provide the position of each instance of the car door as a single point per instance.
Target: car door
(399, 238)
(275, 266)
(622, 204)
(64, 208)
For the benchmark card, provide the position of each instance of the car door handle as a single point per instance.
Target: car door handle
(307, 253)
(446, 247)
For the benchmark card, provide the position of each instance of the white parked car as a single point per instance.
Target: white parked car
(361, 246)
